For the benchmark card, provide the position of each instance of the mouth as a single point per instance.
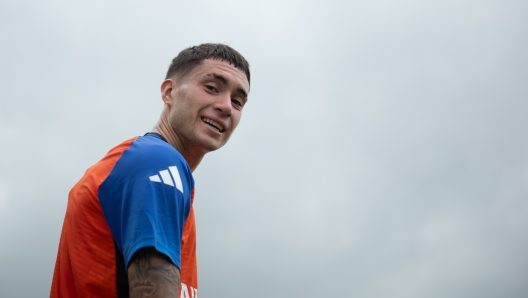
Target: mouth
(213, 124)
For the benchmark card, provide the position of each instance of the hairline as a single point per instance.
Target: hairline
(181, 76)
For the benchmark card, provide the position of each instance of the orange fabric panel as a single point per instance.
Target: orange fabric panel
(188, 251)
(189, 270)
(86, 265)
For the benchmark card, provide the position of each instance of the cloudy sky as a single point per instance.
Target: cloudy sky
(383, 152)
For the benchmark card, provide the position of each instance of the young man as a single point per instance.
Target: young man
(129, 227)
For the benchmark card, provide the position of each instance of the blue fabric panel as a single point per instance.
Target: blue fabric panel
(141, 207)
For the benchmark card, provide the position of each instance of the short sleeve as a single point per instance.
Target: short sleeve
(146, 198)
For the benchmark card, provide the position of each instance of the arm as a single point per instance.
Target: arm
(152, 274)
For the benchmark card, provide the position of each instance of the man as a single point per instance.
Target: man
(129, 228)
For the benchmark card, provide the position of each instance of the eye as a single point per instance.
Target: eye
(211, 88)
(237, 102)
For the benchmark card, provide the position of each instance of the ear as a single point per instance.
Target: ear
(167, 88)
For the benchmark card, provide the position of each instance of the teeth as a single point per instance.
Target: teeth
(213, 123)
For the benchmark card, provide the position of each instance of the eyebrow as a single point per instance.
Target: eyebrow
(224, 80)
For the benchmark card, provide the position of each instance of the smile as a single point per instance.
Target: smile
(214, 124)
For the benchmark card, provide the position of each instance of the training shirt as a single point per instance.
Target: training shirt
(139, 195)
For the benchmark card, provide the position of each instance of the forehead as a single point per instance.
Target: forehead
(219, 67)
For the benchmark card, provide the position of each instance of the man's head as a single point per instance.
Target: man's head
(204, 93)
(191, 57)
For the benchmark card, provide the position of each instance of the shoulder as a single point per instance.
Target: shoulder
(148, 156)
(149, 151)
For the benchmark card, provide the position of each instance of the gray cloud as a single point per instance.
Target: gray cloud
(382, 152)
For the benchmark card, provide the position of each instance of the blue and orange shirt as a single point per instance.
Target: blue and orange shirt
(139, 195)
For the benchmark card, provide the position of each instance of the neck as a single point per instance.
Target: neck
(191, 155)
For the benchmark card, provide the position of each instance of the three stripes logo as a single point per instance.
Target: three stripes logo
(170, 177)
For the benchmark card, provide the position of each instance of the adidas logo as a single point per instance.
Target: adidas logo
(168, 178)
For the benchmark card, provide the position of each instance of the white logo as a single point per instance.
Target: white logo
(166, 177)
(184, 292)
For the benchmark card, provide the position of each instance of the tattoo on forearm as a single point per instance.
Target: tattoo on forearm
(152, 274)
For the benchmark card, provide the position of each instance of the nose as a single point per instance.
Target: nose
(223, 104)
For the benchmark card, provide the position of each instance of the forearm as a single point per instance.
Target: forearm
(152, 274)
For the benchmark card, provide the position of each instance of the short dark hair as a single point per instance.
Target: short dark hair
(193, 56)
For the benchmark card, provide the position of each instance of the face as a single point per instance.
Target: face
(206, 105)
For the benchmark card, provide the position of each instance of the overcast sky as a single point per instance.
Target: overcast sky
(383, 151)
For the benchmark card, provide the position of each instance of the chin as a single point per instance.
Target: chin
(211, 146)
(215, 147)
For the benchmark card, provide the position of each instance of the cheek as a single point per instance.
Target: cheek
(176, 119)
(236, 121)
